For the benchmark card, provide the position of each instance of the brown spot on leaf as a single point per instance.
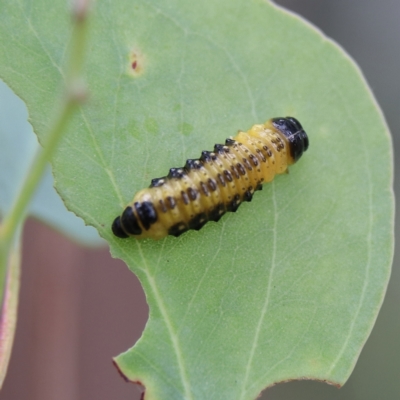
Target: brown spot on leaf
(136, 63)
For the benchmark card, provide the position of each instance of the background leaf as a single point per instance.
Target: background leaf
(290, 285)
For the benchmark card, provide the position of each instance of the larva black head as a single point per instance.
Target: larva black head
(294, 133)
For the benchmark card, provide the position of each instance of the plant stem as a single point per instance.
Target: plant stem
(74, 95)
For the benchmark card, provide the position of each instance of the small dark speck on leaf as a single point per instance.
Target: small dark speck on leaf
(136, 63)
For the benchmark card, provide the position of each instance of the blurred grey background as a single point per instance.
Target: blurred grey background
(79, 307)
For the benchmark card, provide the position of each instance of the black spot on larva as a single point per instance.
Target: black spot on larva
(193, 164)
(259, 186)
(216, 213)
(205, 156)
(247, 164)
(192, 193)
(163, 207)
(265, 148)
(177, 229)
(253, 158)
(230, 142)
(235, 172)
(246, 150)
(241, 169)
(198, 221)
(248, 195)
(146, 213)
(212, 184)
(185, 197)
(129, 222)
(234, 204)
(117, 228)
(228, 176)
(176, 173)
(157, 182)
(221, 180)
(261, 155)
(219, 148)
(171, 202)
(204, 188)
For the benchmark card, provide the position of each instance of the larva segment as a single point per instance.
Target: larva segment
(219, 181)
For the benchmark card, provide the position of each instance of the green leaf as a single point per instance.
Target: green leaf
(290, 285)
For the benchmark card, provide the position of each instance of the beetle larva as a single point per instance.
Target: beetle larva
(219, 181)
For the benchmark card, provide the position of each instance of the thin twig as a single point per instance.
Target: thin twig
(75, 93)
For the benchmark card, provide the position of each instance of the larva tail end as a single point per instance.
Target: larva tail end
(117, 228)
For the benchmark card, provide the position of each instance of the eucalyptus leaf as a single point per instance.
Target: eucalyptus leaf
(289, 286)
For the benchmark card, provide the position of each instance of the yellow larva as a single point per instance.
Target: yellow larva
(219, 181)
